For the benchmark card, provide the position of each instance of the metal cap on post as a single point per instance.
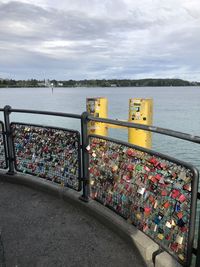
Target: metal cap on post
(85, 157)
(9, 141)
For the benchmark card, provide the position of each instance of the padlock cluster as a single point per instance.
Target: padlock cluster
(49, 153)
(2, 152)
(152, 193)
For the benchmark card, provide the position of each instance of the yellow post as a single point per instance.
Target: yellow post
(97, 107)
(140, 111)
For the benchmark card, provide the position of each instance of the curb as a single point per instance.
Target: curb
(2, 256)
(164, 259)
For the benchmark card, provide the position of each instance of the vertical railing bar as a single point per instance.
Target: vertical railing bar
(9, 141)
(193, 210)
(85, 158)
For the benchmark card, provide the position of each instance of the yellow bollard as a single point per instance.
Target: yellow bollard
(140, 111)
(97, 107)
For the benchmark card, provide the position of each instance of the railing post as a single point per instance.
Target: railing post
(9, 141)
(85, 157)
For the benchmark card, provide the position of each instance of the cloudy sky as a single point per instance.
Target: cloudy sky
(86, 39)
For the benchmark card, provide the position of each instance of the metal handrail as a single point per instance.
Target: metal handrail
(42, 112)
(155, 129)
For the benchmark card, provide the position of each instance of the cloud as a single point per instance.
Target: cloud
(100, 39)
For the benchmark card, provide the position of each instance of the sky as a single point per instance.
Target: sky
(100, 39)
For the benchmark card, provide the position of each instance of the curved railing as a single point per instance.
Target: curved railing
(156, 193)
(51, 153)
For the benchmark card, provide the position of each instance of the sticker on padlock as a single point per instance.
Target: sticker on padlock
(179, 239)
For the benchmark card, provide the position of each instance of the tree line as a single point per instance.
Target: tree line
(96, 83)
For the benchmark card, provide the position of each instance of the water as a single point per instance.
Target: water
(176, 108)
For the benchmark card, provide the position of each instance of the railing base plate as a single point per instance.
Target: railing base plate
(85, 199)
(11, 173)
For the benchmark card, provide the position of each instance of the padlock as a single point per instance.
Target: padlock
(146, 186)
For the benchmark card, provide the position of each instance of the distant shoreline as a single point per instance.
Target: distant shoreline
(38, 87)
(33, 83)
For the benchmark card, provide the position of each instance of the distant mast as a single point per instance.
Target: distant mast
(52, 85)
(49, 84)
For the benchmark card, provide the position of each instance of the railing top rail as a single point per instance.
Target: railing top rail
(155, 129)
(42, 112)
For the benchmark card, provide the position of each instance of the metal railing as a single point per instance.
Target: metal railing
(150, 190)
(195, 197)
(47, 152)
(29, 148)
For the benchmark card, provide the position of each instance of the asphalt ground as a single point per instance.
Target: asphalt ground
(38, 229)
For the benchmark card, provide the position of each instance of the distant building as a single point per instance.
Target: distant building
(47, 83)
(41, 84)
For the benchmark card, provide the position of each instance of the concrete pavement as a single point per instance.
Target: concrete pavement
(38, 229)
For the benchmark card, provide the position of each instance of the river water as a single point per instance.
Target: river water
(176, 108)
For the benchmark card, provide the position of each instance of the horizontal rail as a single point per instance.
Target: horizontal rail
(51, 113)
(155, 129)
